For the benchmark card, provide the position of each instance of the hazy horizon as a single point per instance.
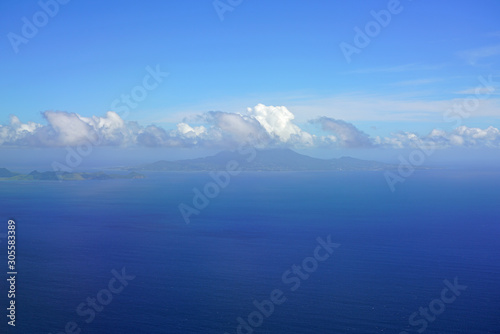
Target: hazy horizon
(326, 84)
(43, 159)
(112, 235)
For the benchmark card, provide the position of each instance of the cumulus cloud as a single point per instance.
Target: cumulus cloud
(344, 134)
(66, 129)
(237, 128)
(461, 136)
(17, 132)
(278, 122)
(219, 129)
(262, 126)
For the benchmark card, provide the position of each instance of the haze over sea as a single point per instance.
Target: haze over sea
(396, 250)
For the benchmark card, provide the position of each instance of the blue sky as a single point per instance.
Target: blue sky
(428, 58)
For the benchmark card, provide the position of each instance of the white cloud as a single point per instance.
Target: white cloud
(278, 122)
(188, 131)
(399, 68)
(461, 136)
(237, 128)
(67, 129)
(264, 126)
(345, 134)
(478, 91)
(417, 82)
(403, 108)
(16, 131)
(472, 56)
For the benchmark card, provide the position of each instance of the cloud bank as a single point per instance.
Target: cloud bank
(263, 126)
(344, 134)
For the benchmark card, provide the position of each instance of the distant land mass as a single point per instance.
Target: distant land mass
(7, 175)
(264, 160)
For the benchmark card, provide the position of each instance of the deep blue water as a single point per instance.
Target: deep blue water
(396, 249)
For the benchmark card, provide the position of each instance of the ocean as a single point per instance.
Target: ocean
(272, 252)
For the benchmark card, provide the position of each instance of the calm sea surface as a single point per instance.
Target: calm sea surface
(396, 250)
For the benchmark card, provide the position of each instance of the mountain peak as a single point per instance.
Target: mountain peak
(275, 159)
(4, 172)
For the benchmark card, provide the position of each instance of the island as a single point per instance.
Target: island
(264, 160)
(7, 175)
